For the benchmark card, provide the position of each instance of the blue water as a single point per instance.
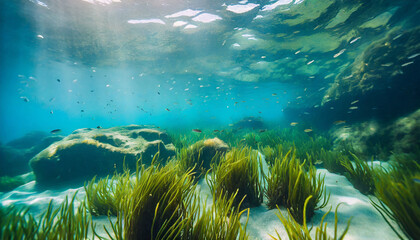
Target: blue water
(104, 63)
(110, 97)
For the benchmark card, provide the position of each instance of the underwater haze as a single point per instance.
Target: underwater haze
(336, 82)
(73, 64)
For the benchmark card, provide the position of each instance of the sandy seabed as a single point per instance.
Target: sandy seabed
(366, 222)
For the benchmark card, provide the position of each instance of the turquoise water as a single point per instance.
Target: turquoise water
(334, 75)
(196, 58)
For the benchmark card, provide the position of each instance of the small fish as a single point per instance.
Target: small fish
(354, 102)
(306, 113)
(82, 110)
(406, 64)
(353, 108)
(318, 162)
(354, 40)
(52, 99)
(396, 37)
(262, 130)
(55, 131)
(40, 36)
(159, 93)
(25, 99)
(167, 109)
(196, 130)
(216, 131)
(416, 180)
(274, 94)
(339, 122)
(414, 55)
(310, 62)
(386, 65)
(347, 77)
(98, 127)
(293, 124)
(307, 130)
(51, 112)
(339, 53)
(58, 80)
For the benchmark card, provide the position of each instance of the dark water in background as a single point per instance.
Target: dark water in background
(90, 63)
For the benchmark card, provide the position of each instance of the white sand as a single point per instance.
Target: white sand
(366, 222)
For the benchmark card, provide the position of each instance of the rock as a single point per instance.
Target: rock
(208, 149)
(15, 155)
(9, 183)
(382, 83)
(88, 152)
(405, 133)
(380, 140)
(250, 123)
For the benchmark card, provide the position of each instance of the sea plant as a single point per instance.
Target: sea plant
(271, 153)
(232, 138)
(331, 160)
(398, 192)
(59, 223)
(360, 174)
(157, 206)
(289, 185)
(251, 140)
(9, 183)
(194, 159)
(295, 231)
(220, 221)
(238, 171)
(103, 197)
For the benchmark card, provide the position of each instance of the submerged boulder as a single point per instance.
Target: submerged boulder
(372, 138)
(207, 150)
(382, 83)
(88, 152)
(250, 123)
(15, 155)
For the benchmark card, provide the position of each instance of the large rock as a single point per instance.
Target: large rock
(382, 83)
(15, 155)
(88, 152)
(249, 123)
(207, 149)
(380, 140)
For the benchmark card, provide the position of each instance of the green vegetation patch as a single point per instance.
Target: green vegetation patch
(360, 174)
(398, 192)
(295, 231)
(238, 173)
(289, 185)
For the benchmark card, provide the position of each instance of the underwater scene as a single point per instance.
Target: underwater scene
(210, 119)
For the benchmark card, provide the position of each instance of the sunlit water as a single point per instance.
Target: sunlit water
(206, 64)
